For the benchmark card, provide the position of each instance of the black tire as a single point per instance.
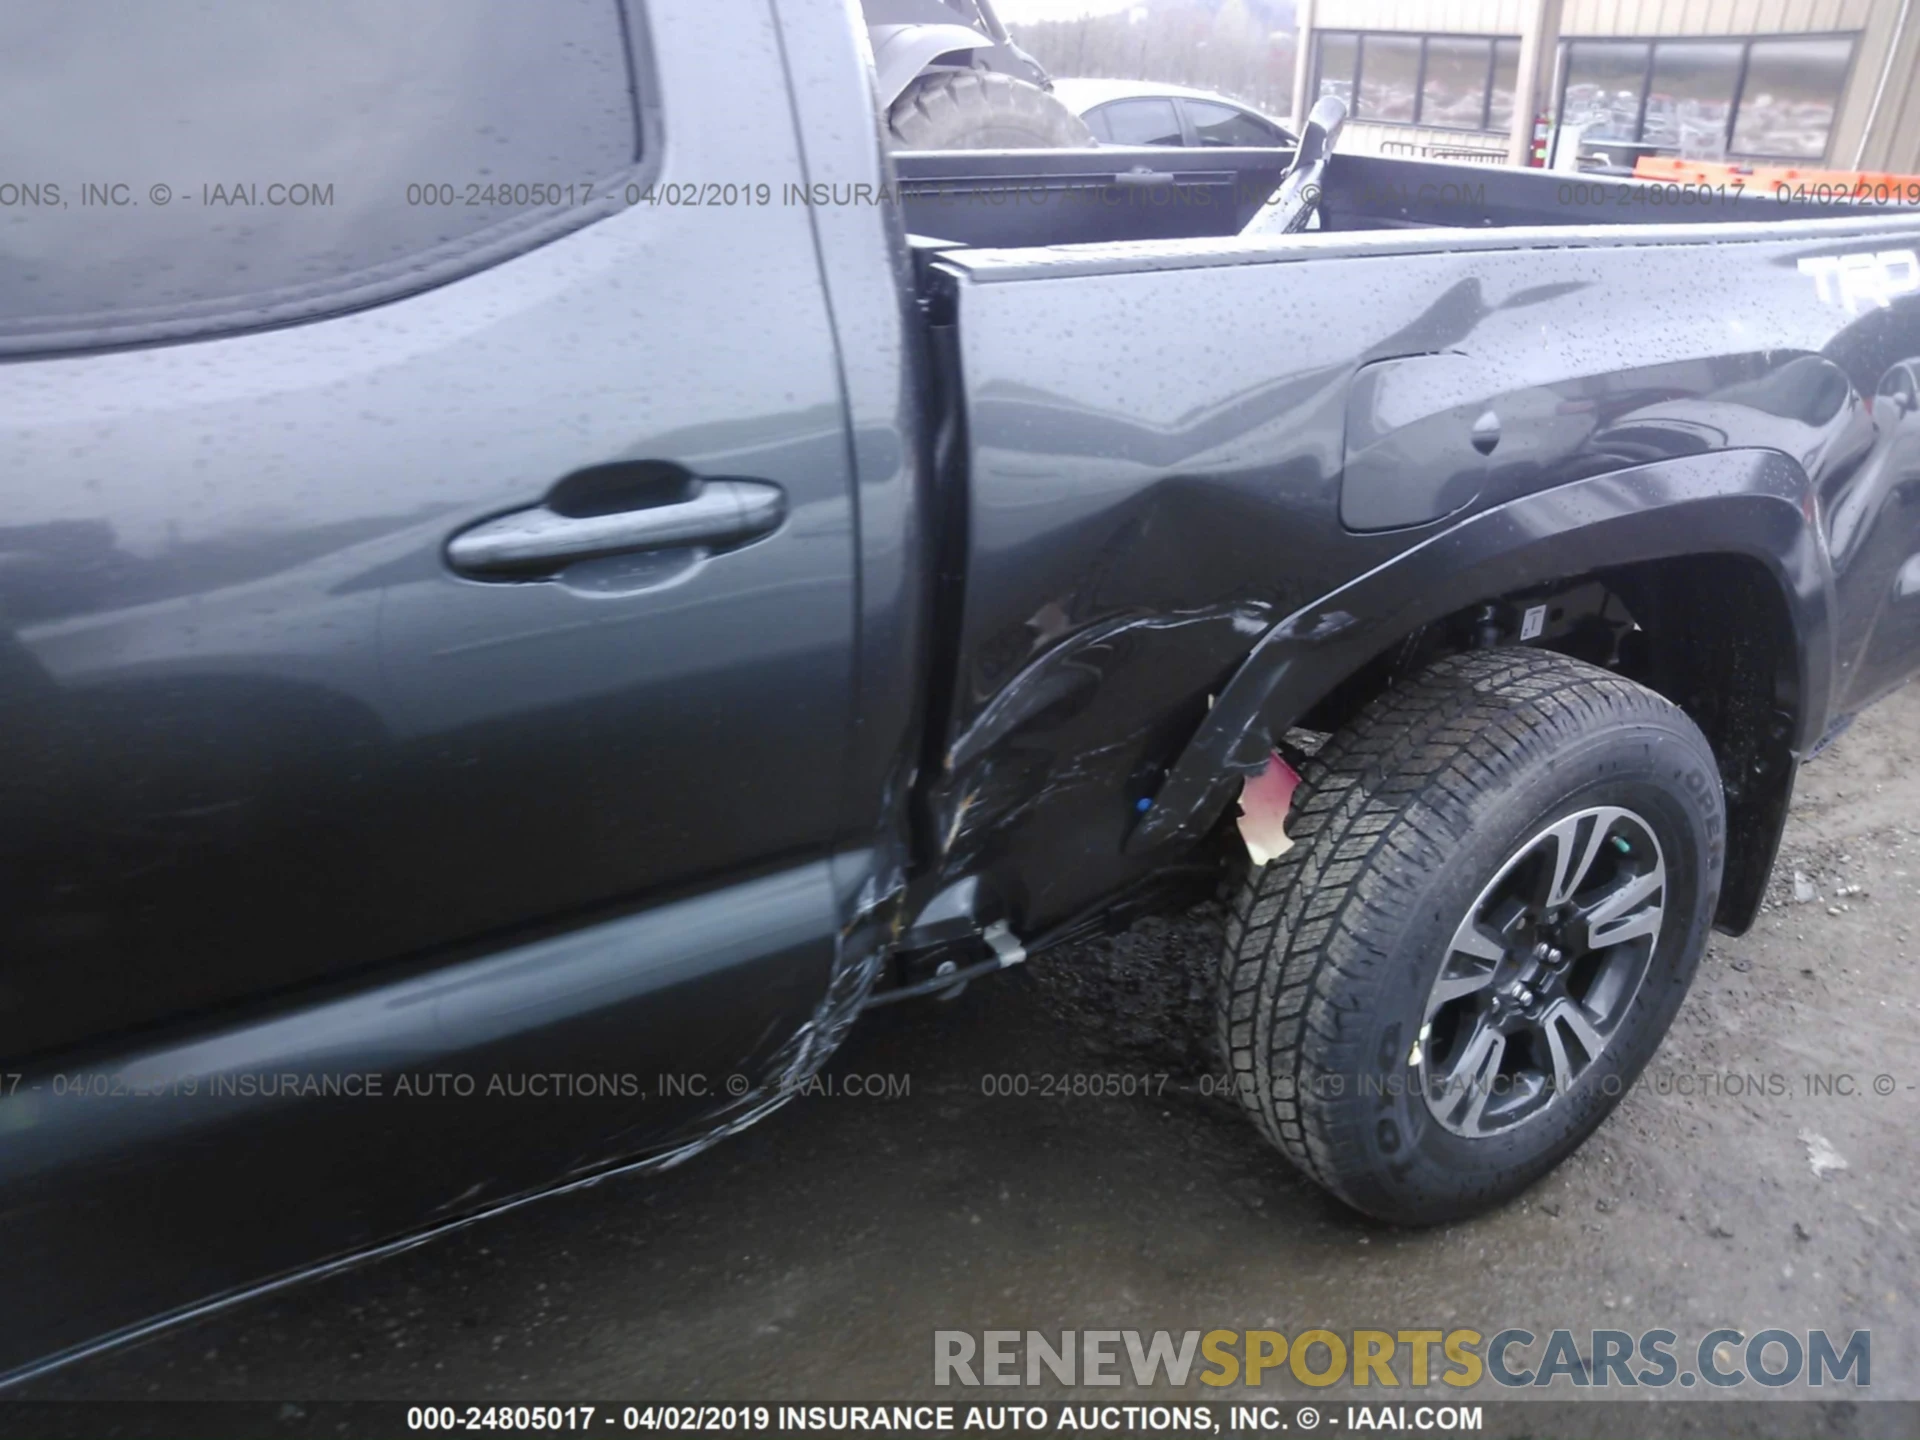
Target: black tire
(982, 110)
(1402, 827)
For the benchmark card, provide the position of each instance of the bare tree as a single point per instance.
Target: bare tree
(1233, 46)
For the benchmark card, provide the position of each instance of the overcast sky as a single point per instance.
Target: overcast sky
(1015, 11)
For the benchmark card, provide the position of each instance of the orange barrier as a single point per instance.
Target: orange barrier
(1771, 179)
(1673, 169)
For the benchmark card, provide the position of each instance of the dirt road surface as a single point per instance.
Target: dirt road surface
(1762, 1174)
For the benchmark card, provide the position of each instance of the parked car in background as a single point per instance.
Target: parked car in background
(1145, 112)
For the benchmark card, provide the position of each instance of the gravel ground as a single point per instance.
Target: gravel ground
(813, 1257)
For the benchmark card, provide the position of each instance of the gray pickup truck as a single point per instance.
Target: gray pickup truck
(533, 591)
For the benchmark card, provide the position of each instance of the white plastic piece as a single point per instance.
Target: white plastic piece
(1001, 940)
(1821, 1156)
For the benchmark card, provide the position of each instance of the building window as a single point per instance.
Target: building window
(1606, 81)
(1453, 91)
(1691, 98)
(1791, 94)
(1441, 82)
(1339, 60)
(1506, 78)
(1389, 82)
(1771, 99)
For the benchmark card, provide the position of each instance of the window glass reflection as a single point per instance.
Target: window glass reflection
(1389, 77)
(1787, 105)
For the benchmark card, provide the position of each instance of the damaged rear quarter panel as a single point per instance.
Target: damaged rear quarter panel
(1153, 467)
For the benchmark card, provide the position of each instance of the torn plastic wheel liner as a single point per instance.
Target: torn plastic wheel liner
(1265, 800)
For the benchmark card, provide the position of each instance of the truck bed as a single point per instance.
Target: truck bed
(1015, 199)
(1174, 454)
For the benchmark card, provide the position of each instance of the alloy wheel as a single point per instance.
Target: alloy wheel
(1542, 972)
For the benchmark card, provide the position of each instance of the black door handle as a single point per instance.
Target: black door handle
(720, 513)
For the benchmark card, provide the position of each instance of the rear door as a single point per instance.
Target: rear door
(426, 597)
(424, 504)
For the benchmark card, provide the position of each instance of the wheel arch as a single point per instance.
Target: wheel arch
(902, 52)
(1698, 549)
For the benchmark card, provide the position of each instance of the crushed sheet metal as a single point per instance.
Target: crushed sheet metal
(1077, 719)
(1264, 802)
(865, 940)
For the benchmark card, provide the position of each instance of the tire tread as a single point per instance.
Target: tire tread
(1389, 796)
(939, 107)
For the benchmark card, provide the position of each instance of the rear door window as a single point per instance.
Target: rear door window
(1223, 125)
(186, 165)
(1143, 122)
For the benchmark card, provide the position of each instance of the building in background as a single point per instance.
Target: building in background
(1815, 83)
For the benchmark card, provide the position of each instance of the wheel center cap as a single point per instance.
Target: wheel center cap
(1532, 976)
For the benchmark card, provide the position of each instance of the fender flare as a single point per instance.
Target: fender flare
(901, 52)
(1756, 503)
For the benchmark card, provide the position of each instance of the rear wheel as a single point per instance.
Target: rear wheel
(982, 110)
(1503, 877)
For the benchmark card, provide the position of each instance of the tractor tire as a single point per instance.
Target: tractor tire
(982, 110)
(1502, 880)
